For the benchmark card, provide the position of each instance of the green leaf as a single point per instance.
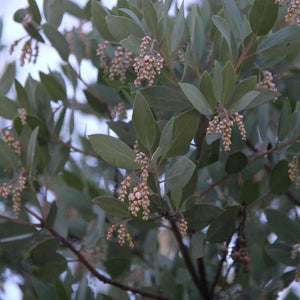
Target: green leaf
(218, 82)
(144, 121)
(116, 267)
(202, 213)
(281, 42)
(279, 181)
(51, 215)
(228, 79)
(68, 197)
(53, 87)
(132, 43)
(53, 11)
(178, 29)
(233, 17)
(243, 102)
(197, 35)
(150, 16)
(198, 245)
(207, 89)
(236, 163)
(286, 229)
(242, 88)
(249, 191)
(44, 251)
(224, 28)
(112, 206)
(165, 99)
(22, 96)
(57, 40)
(7, 78)
(183, 130)
(282, 253)
(114, 151)
(196, 98)
(121, 27)
(34, 9)
(32, 151)
(125, 131)
(74, 10)
(285, 120)
(8, 157)
(179, 174)
(8, 108)
(263, 16)
(99, 14)
(264, 96)
(221, 228)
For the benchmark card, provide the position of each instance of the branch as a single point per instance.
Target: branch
(244, 53)
(101, 277)
(187, 259)
(20, 222)
(202, 274)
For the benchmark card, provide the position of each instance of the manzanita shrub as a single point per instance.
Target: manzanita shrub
(193, 197)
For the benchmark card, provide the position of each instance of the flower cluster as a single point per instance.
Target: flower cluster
(8, 138)
(122, 234)
(14, 188)
(148, 63)
(22, 114)
(120, 64)
(292, 169)
(182, 225)
(267, 82)
(104, 59)
(119, 112)
(293, 12)
(223, 123)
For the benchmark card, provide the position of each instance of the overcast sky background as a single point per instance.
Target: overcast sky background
(48, 58)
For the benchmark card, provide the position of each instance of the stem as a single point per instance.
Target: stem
(244, 53)
(203, 280)
(101, 277)
(187, 259)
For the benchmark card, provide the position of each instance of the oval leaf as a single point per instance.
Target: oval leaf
(112, 206)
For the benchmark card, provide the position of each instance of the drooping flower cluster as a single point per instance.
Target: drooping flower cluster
(104, 59)
(14, 188)
(23, 115)
(292, 169)
(182, 225)
(119, 112)
(123, 235)
(240, 253)
(8, 138)
(120, 64)
(222, 124)
(148, 63)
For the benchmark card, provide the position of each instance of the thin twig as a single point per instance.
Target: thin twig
(20, 222)
(187, 258)
(244, 53)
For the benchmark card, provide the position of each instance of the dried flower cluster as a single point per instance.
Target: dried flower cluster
(122, 234)
(23, 115)
(104, 59)
(182, 225)
(27, 53)
(120, 64)
(223, 123)
(293, 170)
(119, 112)
(14, 188)
(180, 57)
(240, 254)
(293, 11)
(148, 63)
(8, 138)
(295, 250)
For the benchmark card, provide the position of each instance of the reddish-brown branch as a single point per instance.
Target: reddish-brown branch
(244, 53)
